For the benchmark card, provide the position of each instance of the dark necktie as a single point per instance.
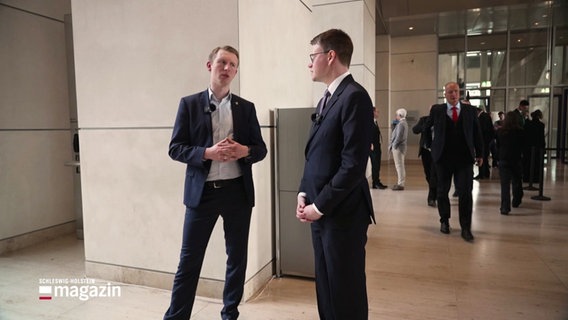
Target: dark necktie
(323, 101)
(455, 114)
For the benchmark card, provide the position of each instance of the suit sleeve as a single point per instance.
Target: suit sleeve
(255, 142)
(181, 146)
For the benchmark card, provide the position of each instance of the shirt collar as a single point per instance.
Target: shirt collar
(335, 83)
(458, 105)
(213, 99)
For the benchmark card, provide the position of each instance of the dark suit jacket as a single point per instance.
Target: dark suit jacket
(376, 137)
(419, 128)
(336, 155)
(487, 129)
(192, 134)
(472, 130)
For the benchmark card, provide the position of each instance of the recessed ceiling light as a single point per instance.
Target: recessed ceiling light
(410, 28)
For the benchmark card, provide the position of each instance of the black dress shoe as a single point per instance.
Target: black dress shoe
(381, 186)
(432, 203)
(445, 227)
(505, 212)
(467, 236)
(375, 186)
(516, 204)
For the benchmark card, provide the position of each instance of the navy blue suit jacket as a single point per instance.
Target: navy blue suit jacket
(336, 155)
(472, 130)
(192, 134)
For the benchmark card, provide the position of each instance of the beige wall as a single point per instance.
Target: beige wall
(413, 80)
(36, 189)
(134, 60)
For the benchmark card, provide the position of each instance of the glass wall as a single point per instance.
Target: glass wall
(503, 55)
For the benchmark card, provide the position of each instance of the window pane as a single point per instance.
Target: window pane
(560, 56)
(450, 68)
(529, 59)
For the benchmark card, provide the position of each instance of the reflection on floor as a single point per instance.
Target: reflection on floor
(517, 268)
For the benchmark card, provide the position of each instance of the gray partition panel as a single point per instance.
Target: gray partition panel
(294, 244)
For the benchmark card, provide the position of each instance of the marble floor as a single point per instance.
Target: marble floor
(517, 267)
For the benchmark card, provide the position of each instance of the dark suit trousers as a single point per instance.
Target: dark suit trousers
(463, 178)
(339, 253)
(231, 204)
(429, 172)
(375, 156)
(510, 173)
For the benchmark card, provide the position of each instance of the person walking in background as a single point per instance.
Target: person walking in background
(510, 143)
(334, 194)
(456, 145)
(521, 112)
(376, 153)
(425, 155)
(534, 146)
(217, 134)
(488, 133)
(494, 153)
(398, 145)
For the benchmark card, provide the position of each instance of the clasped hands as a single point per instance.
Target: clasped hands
(226, 150)
(306, 213)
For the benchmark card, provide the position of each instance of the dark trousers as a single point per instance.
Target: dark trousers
(376, 165)
(430, 173)
(230, 203)
(339, 253)
(484, 171)
(510, 173)
(532, 155)
(463, 178)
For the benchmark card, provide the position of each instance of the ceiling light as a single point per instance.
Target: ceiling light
(411, 28)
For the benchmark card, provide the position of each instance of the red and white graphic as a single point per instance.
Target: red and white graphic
(44, 292)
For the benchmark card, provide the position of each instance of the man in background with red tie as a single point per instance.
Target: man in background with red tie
(456, 144)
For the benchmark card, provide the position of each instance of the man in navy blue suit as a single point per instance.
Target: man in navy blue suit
(217, 134)
(456, 145)
(334, 193)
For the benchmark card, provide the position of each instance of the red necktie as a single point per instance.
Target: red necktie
(455, 114)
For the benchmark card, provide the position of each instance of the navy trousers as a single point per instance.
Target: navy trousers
(229, 203)
(339, 254)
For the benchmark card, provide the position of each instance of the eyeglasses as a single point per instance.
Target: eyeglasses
(313, 55)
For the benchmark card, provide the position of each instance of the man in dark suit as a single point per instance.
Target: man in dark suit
(376, 153)
(425, 154)
(488, 134)
(457, 144)
(522, 112)
(334, 193)
(217, 134)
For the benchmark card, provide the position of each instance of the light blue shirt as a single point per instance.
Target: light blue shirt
(222, 126)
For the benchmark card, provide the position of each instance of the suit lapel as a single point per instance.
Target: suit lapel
(330, 103)
(204, 105)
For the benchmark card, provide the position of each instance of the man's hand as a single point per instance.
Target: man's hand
(226, 150)
(306, 213)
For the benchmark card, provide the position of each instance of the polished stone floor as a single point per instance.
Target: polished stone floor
(517, 267)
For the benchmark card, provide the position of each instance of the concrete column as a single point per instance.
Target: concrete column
(414, 70)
